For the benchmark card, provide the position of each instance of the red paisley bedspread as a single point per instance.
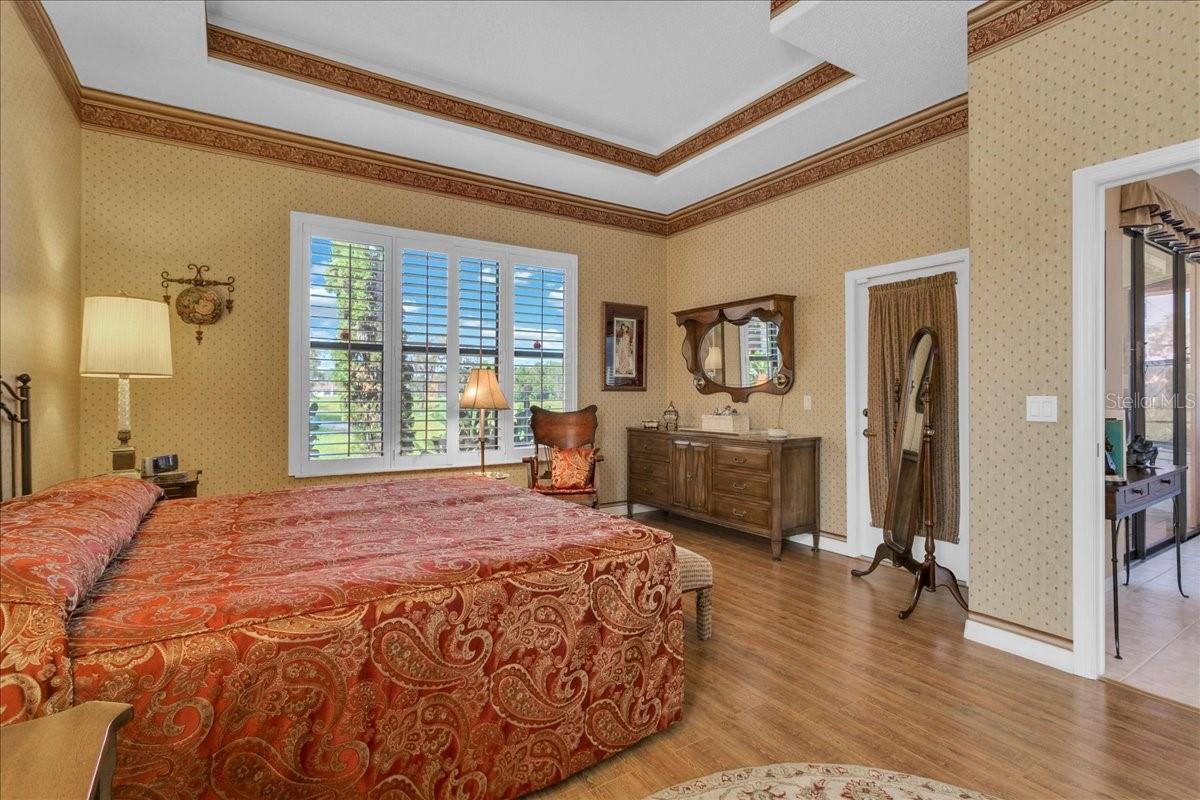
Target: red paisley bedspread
(421, 638)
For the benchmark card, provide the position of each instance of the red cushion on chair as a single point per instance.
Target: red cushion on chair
(571, 468)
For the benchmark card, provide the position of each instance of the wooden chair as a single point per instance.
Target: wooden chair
(69, 755)
(562, 429)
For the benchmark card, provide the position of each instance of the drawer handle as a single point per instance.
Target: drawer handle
(739, 460)
(739, 514)
(688, 476)
(1138, 491)
(740, 486)
(1167, 481)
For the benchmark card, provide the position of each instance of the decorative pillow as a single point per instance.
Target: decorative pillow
(56, 543)
(571, 467)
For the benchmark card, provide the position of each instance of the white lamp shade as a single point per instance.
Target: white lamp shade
(713, 360)
(125, 336)
(483, 391)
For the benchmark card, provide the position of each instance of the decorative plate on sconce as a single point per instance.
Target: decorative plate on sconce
(204, 302)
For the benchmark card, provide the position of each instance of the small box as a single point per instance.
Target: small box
(725, 423)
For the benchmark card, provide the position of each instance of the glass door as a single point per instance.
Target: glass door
(1157, 378)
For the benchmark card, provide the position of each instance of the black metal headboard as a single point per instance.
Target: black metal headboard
(14, 409)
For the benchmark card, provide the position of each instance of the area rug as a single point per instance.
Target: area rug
(814, 782)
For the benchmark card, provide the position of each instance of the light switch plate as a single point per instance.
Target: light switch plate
(808, 402)
(1041, 408)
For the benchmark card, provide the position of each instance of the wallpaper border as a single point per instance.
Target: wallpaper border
(999, 23)
(261, 54)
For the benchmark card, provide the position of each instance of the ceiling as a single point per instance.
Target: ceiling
(642, 75)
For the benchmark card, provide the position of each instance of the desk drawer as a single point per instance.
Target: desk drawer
(645, 469)
(741, 484)
(1164, 486)
(740, 511)
(655, 448)
(733, 456)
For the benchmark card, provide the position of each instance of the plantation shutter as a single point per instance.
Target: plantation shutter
(345, 349)
(478, 340)
(424, 325)
(539, 345)
(760, 351)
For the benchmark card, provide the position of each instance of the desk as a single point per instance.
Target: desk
(1141, 489)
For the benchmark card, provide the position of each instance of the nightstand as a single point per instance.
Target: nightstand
(179, 485)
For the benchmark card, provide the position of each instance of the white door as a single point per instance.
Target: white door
(866, 538)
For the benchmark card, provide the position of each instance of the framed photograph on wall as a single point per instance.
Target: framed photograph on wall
(624, 348)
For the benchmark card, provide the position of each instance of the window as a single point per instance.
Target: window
(386, 324)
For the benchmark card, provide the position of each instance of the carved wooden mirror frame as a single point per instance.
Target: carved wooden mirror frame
(697, 322)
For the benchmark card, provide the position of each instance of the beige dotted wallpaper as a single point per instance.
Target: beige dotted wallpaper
(39, 248)
(1116, 80)
(803, 244)
(149, 206)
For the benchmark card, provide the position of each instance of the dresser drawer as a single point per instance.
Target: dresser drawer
(742, 512)
(733, 456)
(741, 484)
(650, 492)
(644, 469)
(656, 448)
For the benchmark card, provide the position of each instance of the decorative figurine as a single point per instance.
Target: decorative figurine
(1141, 453)
(671, 418)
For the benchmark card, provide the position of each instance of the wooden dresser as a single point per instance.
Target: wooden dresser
(770, 488)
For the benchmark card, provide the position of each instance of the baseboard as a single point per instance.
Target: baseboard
(829, 542)
(619, 509)
(1041, 651)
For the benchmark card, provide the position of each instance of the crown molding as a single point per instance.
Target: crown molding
(249, 51)
(119, 114)
(780, 6)
(38, 23)
(126, 115)
(932, 125)
(999, 23)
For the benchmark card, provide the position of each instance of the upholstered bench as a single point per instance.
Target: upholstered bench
(696, 575)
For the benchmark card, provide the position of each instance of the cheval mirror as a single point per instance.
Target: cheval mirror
(910, 504)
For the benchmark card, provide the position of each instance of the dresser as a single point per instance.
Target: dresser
(765, 487)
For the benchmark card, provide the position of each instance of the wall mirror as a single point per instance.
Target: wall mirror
(740, 347)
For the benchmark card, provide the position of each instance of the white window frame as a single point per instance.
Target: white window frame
(303, 228)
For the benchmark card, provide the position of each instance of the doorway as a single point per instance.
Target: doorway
(861, 537)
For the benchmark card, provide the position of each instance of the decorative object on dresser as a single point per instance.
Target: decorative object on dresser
(125, 337)
(178, 484)
(483, 394)
(70, 754)
(725, 420)
(741, 347)
(766, 487)
(1138, 489)
(671, 418)
(16, 439)
(562, 431)
(624, 348)
(696, 575)
(910, 505)
(203, 302)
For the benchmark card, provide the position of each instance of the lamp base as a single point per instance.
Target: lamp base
(124, 460)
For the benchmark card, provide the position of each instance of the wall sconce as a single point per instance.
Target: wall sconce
(203, 302)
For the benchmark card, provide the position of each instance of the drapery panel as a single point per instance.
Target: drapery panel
(895, 313)
(1161, 218)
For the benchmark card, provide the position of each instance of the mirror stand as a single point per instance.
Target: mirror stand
(904, 517)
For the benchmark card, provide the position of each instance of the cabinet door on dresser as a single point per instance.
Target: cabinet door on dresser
(689, 474)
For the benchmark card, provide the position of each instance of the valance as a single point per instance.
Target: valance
(1160, 218)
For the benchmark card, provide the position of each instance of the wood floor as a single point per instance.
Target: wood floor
(808, 664)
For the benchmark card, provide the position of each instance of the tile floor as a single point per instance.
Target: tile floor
(1160, 630)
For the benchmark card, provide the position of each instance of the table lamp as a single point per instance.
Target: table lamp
(482, 393)
(123, 338)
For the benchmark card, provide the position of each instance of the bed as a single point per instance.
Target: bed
(416, 638)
